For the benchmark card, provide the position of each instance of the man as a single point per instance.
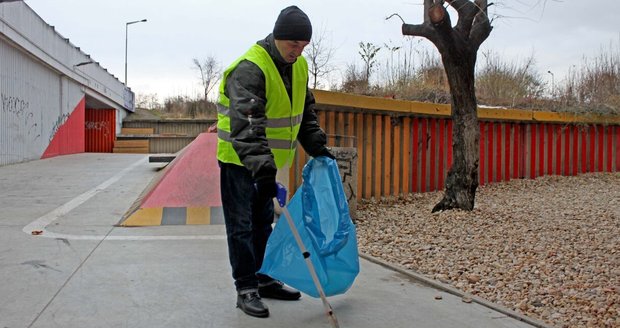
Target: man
(264, 109)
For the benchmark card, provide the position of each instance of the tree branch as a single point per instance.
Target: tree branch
(481, 27)
(422, 30)
(467, 12)
(397, 15)
(427, 6)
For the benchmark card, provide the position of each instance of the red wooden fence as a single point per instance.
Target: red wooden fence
(406, 147)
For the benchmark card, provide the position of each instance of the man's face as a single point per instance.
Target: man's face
(290, 49)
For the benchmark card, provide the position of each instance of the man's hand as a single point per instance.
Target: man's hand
(266, 189)
(325, 152)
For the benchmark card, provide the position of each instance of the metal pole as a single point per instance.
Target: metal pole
(126, 25)
(331, 316)
(126, 37)
(552, 84)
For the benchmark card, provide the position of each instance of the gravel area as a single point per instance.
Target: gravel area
(548, 248)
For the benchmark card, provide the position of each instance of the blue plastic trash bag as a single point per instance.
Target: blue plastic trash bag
(320, 212)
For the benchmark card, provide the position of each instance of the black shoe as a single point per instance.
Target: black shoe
(251, 304)
(278, 291)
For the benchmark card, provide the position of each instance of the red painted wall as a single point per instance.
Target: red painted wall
(100, 129)
(68, 136)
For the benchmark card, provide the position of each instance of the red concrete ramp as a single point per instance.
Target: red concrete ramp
(187, 191)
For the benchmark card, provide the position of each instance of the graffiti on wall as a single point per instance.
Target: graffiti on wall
(60, 120)
(99, 126)
(20, 108)
(347, 165)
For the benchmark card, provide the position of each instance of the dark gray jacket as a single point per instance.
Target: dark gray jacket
(245, 87)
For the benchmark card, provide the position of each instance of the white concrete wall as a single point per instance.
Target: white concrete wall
(40, 84)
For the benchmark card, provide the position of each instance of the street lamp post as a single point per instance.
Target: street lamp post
(552, 83)
(126, 27)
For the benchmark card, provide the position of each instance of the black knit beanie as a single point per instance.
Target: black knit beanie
(292, 24)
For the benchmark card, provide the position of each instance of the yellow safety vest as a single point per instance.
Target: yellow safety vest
(283, 118)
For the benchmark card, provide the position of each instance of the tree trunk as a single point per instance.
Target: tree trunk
(462, 179)
(458, 46)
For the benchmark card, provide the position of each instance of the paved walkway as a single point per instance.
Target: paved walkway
(81, 271)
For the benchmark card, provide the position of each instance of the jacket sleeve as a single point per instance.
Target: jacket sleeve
(311, 136)
(245, 87)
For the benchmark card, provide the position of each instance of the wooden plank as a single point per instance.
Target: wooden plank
(449, 164)
(550, 149)
(442, 152)
(378, 161)
(399, 151)
(142, 131)
(380, 104)
(558, 150)
(499, 152)
(592, 150)
(424, 157)
(331, 127)
(566, 161)
(617, 152)
(131, 150)
(601, 135)
(415, 180)
(544, 140)
(507, 150)
(359, 134)
(433, 154)
(339, 130)
(131, 143)
(491, 152)
(388, 156)
(441, 110)
(517, 151)
(322, 118)
(575, 154)
(368, 131)
(533, 151)
(406, 156)
(483, 153)
(584, 150)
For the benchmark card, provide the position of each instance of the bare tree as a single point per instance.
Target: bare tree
(458, 47)
(210, 71)
(319, 55)
(147, 101)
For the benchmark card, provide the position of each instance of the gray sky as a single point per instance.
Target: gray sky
(160, 51)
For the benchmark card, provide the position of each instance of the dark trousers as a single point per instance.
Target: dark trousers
(248, 225)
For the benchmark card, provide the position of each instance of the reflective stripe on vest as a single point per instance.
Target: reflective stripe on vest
(283, 119)
(271, 123)
(273, 143)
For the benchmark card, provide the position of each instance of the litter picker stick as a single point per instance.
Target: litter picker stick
(328, 308)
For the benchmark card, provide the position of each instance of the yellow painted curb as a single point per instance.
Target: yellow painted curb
(173, 216)
(144, 217)
(362, 103)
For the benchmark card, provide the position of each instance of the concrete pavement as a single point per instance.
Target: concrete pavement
(82, 271)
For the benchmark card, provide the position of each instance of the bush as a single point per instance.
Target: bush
(595, 86)
(184, 107)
